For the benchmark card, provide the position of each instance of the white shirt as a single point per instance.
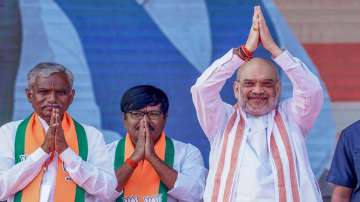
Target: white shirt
(256, 180)
(96, 175)
(189, 164)
(299, 114)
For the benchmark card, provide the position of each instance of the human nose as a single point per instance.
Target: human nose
(52, 97)
(258, 89)
(145, 116)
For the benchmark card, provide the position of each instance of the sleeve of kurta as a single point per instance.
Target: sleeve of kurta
(111, 149)
(14, 177)
(307, 99)
(190, 182)
(210, 108)
(96, 175)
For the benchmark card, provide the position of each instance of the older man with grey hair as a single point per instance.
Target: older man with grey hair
(49, 156)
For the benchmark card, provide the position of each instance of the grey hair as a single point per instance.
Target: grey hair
(45, 69)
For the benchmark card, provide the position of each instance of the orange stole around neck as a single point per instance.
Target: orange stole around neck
(30, 136)
(144, 181)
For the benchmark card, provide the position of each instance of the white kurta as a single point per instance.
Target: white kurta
(189, 164)
(95, 175)
(256, 165)
(298, 112)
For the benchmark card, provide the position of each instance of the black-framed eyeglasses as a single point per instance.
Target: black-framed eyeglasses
(153, 115)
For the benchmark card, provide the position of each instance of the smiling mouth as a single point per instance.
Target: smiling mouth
(258, 98)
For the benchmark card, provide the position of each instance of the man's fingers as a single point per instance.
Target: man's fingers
(52, 117)
(259, 11)
(57, 120)
(255, 21)
(255, 26)
(56, 125)
(141, 124)
(52, 127)
(254, 15)
(146, 139)
(141, 137)
(146, 127)
(261, 17)
(263, 27)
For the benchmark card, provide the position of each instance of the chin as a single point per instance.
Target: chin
(258, 112)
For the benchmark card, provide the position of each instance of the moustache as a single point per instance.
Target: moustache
(56, 106)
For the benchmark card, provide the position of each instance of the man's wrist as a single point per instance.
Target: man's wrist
(153, 158)
(135, 158)
(243, 53)
(132, 164)
(249, 48)
(45, 148)
(61, 150)
(275, 51)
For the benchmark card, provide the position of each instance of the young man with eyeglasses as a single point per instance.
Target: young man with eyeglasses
(149, 165)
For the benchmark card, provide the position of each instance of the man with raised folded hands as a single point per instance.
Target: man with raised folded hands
(149, 165)
(49, 156)
(258, 150)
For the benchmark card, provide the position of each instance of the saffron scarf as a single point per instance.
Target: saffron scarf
(278, 159)
(144, 181)
(29, 137)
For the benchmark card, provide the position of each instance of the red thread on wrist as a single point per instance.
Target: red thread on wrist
(131, 163)
(247, 52)
(244, 53)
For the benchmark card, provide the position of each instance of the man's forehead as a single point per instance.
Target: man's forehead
(258, 80)
(56, 79)
(259, 69)
(150, 108)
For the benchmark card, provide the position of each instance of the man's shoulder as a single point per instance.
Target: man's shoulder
(92, 133)
(352, 132)
(184, 146)
(11, 125)
(178, 142)
(89, 128)
(111, 147)
(8, 131)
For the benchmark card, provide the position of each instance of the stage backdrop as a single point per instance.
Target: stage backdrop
(115, 44)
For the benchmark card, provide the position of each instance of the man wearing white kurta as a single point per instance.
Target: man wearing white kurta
(258, 150)
(50, 93)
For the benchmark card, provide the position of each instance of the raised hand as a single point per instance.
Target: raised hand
(49, 142)
(254, 36)
(139, 152)
(266, 38)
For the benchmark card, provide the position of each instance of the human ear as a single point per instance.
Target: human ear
(236, 88)
(29, 94)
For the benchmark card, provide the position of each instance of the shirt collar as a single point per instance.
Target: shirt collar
(43, 124)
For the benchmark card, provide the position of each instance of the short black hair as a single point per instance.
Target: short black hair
(141, 96)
